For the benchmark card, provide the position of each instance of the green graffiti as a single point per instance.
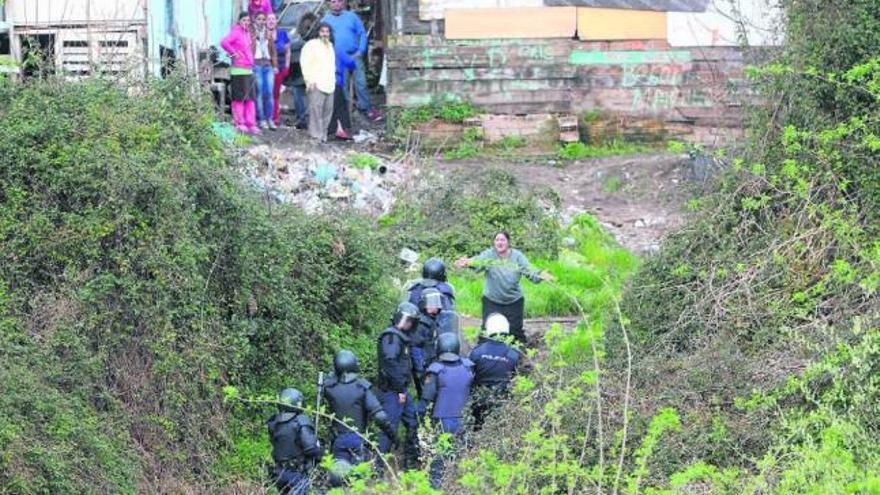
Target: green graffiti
(583, 57)
(428, 55)
(496, 57)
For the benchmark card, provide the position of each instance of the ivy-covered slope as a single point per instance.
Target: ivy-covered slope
(760, 321)
(139, 275)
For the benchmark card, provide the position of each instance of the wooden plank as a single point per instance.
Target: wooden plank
(617, 24)
(487, 100)
(483, 86)
(436, 9)
(541, 22)
(536, 128)
(484, 73)
(519, 55)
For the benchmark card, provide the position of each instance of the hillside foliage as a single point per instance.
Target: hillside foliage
(139, 276)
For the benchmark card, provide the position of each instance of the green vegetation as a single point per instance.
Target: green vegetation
(612, 184)
(469, 147)
(402, 120)
(139, 277)
(142, 284)
(511, 143)
(460, 216)
(743, 359)
(580, 151)
(765, 308)
(583, 270)
(364, 160)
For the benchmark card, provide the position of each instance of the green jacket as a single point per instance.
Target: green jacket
(503, 274)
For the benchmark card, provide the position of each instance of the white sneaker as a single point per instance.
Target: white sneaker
(264, 125)
(272, 125)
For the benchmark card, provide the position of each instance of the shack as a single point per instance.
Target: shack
(76, 38)
(627, 67)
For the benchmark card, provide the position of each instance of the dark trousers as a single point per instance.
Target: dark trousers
(291, 482)
(340, 112)
(513, 312)
(452, 426)
(349, 447)
(401, 413)
(484, 400)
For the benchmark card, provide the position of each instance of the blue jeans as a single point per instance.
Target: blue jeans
(360, 85)
(265, 81)
(299, 105)
(397, 413)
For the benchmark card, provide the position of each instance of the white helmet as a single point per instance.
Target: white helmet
(496, 324)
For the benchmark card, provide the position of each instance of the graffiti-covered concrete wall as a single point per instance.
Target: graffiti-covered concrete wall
(645, 85)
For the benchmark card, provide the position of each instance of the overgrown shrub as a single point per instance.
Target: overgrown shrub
(139, 276)
(770, 277)
(459, 215)
(402, 120)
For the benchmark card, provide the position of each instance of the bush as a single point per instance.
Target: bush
(580, 151)
(459, 215)
(769, 277)
(402, 120)
(140, 276)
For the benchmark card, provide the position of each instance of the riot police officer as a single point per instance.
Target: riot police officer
(395, 376)
(294, 444)
(433, 276)
(447, 385)
(422, 340)
(495, 363)
(352, 401)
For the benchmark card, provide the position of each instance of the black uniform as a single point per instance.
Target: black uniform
(294, 450)
(423, 345)
(495, 364)
(353, 403)
(395, 376)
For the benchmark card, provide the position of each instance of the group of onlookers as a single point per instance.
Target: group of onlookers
(316, 64)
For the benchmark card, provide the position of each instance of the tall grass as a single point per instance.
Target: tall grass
(582, 269)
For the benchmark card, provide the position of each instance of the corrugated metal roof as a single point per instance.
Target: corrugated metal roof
(662, 5)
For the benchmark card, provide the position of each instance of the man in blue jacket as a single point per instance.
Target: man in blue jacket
(350, 36)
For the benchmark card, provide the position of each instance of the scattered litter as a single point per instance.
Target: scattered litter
(364, 136)
(224, 130)
(322, 180)
(325, 173)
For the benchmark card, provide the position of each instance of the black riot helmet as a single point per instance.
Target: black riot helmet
(290, 400)
(345, 362)
(431, 298)
(448, 347)
(435, 269)
(406, 311)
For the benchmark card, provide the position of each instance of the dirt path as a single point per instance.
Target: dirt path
(639, 198)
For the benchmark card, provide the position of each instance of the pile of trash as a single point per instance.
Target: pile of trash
(322, 181)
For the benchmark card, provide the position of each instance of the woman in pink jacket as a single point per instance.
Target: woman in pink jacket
(239, 44)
